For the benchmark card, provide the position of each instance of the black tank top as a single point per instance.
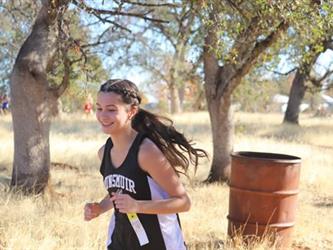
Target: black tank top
(163, 231)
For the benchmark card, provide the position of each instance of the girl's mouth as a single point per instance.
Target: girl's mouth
(106, 124)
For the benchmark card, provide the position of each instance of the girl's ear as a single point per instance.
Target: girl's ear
(132, 112)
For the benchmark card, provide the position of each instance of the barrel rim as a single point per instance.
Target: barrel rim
(266, 156)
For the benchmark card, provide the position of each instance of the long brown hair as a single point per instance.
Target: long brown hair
(159, 129)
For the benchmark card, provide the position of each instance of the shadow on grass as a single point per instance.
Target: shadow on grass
(3, 169)
(4, 183)
(285, 132)
(200, 183)
(288, 132)
(210, 245)
(64, 166)
(324, 202)
(300, 247)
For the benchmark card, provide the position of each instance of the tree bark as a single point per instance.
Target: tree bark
(222, 129)
(296, 95)
(174, 98)
(181, 94)
(176, 79)
(33, 103)
(298, 88)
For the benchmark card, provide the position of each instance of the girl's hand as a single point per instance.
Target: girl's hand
(91, 211)
(125, 203)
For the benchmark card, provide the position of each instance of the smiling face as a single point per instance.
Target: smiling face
(112, 113)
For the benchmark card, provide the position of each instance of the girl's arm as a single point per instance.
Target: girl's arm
(152, 160)
(93, 210)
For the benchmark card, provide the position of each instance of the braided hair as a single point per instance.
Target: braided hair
(177, 149)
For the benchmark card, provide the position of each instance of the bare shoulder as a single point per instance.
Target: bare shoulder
(101, 152)
(149, 155)
(152, 160)
(148, 145)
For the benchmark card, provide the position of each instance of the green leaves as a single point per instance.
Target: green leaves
(310, 23)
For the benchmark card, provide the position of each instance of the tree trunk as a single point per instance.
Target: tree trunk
(199, 104)
(177, 78)
(298, 88)
(222, 133)
(296, 95)
(181, 96)
(31, 123)
(32, 106)
(174, 99)
(218, 104)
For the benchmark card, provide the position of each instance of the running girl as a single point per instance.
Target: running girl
(141, 162)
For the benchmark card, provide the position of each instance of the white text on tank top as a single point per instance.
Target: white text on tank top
(119, 181)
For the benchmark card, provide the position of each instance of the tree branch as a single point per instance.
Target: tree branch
(95, 12)
(151, 4)
(15, 9)
(64, 48)
(98, 42)
(65, 79)
(329, 45)
(239, 10)
(327, 87)
(211, 65)
(318, 82)
(281, 73)
(251, 57)
(158, 72)
(106, 20)
(164, 31)
(261, 46)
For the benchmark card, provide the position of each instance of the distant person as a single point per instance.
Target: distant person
(5, 104)
(141, 161)
(88, 105)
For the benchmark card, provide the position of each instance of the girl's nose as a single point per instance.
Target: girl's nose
(103, 113)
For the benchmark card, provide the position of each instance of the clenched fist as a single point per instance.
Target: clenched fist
(91, 211)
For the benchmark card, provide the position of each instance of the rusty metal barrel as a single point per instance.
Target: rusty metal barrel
(263, 195)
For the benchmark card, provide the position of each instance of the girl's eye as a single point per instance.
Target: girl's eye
(110, 110)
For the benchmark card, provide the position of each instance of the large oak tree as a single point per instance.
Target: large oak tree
(238, 33)
(34, 98)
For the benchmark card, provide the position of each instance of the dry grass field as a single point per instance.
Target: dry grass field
(54, 221)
